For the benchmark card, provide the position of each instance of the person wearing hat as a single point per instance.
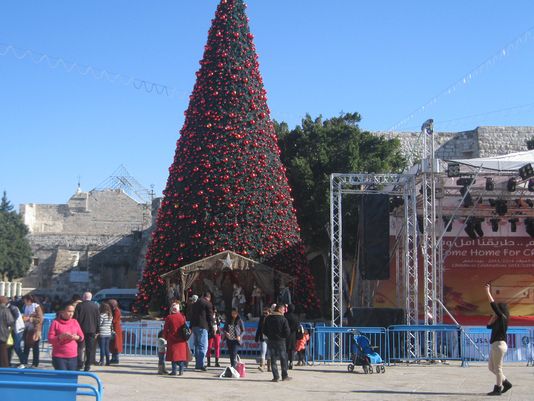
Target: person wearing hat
(177, 349)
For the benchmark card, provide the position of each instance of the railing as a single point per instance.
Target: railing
(140, 340)
(394, 344)
(518, 339)
(408, 343)
(323, 349)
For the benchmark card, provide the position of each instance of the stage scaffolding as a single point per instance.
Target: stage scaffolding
(432, 199)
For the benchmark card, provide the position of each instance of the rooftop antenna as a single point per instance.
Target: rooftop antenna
(79, 189)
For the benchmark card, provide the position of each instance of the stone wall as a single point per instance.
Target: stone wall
(480, 142)
(109, 212)
(96, 240)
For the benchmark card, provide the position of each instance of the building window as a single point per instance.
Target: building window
(35, 261)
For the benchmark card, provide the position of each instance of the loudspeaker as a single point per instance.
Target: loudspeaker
(376, 317)
(374, 257)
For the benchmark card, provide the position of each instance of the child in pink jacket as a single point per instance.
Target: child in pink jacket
(64, 335)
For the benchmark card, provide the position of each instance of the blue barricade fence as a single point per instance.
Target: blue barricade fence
(394, 344)
(324, 346)
(476, 344)
(416, 343)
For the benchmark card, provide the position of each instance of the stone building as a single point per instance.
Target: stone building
(480, 142)
(98, 239)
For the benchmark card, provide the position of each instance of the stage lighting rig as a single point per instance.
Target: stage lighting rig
(501, 207)
(511, 184)
(447, 223)
(530, 186)
(453, 170)
(465, 181)
(526, 171)
(513, 224)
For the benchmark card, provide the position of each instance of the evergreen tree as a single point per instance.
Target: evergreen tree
(15, 251)
(227, 188)
(317, 148)
(5, 204)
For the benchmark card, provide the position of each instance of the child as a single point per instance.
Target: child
(162, 348)
(302, 340)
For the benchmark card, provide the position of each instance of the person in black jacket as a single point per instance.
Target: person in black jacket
(88, 316)
(291, 342)
(276, 328)
(498, 324)
(201, 320)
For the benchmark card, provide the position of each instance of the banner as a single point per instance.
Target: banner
(507, 263)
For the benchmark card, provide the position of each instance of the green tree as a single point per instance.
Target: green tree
(317, 148)
(15, 251)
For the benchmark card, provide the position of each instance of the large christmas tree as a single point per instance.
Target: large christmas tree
(227, 188)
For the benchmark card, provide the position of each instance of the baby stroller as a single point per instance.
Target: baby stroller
(364, 355)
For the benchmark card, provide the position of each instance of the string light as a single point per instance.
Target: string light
(99, 74)
(467, 78)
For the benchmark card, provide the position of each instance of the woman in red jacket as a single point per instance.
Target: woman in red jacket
(177, 348)
(115, 345)
(64, 335)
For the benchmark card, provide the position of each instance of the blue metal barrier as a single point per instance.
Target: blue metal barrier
(323, 347)
(476, 345)
(140, 340)
(394, 344)
(416, 343)
(46, 385)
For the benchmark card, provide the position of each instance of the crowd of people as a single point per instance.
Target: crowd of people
(79, 323)
(279, 334)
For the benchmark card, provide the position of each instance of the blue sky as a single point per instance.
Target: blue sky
(383, 59)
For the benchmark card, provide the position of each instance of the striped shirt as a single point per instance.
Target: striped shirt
(105, 325)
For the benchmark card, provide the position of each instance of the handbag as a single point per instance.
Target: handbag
(9, 341)
(185, 332)
(240, 367)
(230, 373)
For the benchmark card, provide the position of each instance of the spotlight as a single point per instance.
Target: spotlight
(447, 223)
(513, 224)
(490, 184)
(465, 181)
(501, 207)
(511, 185)
(526, 171)
(530, 185)
(395, 202)
(529, 202)
(470, 229)
(477, 226)
(495, 225)
(529, 225)
(453, 170)
(468, 200)
(473, 227)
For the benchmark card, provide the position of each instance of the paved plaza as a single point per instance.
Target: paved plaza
(136, 379)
